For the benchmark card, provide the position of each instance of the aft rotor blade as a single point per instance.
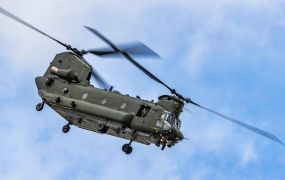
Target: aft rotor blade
(98, 78)
(148, 73)
(136, 48)
(242, 124)
(103, 38)
(102, 52)
(128, 57)
(101, 82)
(12, 16)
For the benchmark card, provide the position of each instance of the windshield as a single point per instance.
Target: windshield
(171, 119)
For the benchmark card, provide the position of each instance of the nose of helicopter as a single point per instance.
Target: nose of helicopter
(177, 133)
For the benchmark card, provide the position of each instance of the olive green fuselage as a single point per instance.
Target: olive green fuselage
(107, 111)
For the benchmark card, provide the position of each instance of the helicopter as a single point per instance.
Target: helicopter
(66, 88)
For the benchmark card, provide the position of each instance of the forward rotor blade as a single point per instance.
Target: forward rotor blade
(137, 49)
(12, 16)
(242, 124)
(129, 58)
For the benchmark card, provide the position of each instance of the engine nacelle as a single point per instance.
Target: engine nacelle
(69, 75)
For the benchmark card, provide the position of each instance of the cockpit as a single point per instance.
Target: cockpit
(170, 118)
(169, 125)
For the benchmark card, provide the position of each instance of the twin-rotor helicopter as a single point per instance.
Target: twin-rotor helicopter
(66, 88)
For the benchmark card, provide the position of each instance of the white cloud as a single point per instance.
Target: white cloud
(248, 155)
(196, 54)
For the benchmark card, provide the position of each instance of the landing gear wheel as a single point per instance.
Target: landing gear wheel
(127, 148)
(40, 106)
(66, 128)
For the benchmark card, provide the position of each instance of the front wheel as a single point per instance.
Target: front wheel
(127, 148)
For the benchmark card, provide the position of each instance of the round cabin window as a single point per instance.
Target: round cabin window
(65, 90)
(104, 101)
(123, 106)
(85, 96)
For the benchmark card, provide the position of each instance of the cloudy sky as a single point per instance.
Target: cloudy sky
(225, 54)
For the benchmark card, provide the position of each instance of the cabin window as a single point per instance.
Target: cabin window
(65, 90)
(143, 110)
(85, 96)
(104, 101)
(123, 106)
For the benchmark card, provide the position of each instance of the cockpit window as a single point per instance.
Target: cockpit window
(178, 123)
(166, 116)
(171, 119)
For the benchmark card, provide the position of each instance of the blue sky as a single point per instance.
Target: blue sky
(226, 55)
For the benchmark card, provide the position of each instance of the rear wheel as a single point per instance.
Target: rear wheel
(66, 128)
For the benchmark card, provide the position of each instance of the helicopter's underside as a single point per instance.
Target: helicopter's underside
(100, 125)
